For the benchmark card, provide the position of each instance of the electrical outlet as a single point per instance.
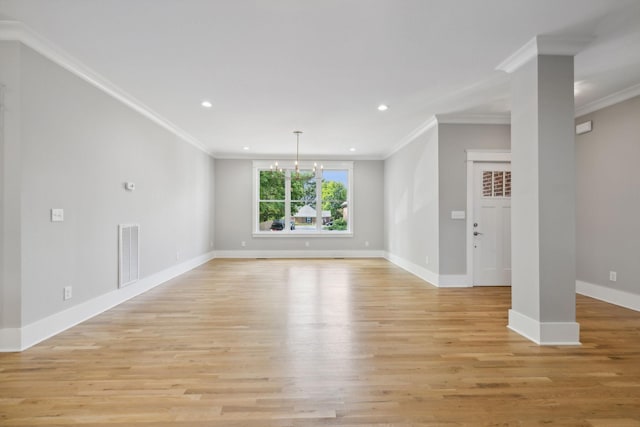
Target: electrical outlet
(177, 256)
(68, 293)
(426, 259)
(613, 276)
(366, 244)
(243, 244)
(306, 244)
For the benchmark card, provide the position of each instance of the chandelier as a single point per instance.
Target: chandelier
(276, 168)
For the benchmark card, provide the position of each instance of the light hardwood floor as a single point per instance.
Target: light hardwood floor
(322, 343)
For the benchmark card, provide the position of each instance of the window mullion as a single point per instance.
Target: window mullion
(287, 201)
(318, 200)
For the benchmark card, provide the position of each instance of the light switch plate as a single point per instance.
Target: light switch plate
(458, 215)
(57, 215)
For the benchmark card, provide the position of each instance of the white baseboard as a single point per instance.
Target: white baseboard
(438, 280)
(18, 339)
(301, 254)
(421, 272)
(544, 333)
(454, 281)
(614, 296)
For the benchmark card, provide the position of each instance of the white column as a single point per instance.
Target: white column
(543, 195)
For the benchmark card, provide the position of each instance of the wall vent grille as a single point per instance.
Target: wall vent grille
(128, 254)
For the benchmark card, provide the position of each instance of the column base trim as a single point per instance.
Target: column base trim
(544, 333)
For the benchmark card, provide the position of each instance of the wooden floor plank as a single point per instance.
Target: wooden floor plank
(354, 342)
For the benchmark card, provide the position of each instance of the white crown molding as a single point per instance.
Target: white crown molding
(272, 157)
(519, 57)
(11, 30)
(475, 119)
(431, 122)
(16, 31)
(563, 45)
(544, 45)
(609, 100)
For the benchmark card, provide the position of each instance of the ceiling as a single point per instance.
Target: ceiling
(323, 67)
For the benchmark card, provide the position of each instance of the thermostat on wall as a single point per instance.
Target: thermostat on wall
(130, 186)
(583, 127)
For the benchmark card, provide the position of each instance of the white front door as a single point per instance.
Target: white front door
(492, 224)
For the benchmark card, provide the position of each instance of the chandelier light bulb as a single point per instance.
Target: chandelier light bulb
(296, 169)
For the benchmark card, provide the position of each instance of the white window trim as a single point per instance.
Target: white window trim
(259, 165)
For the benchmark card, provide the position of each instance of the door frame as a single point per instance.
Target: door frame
(473, 157)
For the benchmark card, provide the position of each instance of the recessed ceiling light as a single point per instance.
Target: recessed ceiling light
(245, 148)
(383, 107)
(352, 149)
(206, 104)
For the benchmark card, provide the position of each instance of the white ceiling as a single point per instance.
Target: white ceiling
(273, 66)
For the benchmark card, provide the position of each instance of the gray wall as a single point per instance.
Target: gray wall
(77, 148)
(411, 202)
(234, 204)
(543, 203)
(454, 140)
(608, 197)
(524, 206)
(557, 188)
(10, 247)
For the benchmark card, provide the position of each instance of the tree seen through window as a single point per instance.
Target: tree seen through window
(288, 200)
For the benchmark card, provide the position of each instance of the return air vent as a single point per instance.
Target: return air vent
(128, 254)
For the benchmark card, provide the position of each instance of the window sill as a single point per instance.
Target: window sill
(312, 234)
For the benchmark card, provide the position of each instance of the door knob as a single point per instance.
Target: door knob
(476, 233)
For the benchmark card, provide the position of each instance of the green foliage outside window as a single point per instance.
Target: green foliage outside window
(338, 224)
(334, 194)
(303, 193)
(303, 190)
(271, 189)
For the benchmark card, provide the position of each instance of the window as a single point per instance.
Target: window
(290, 203)
(496, 183)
